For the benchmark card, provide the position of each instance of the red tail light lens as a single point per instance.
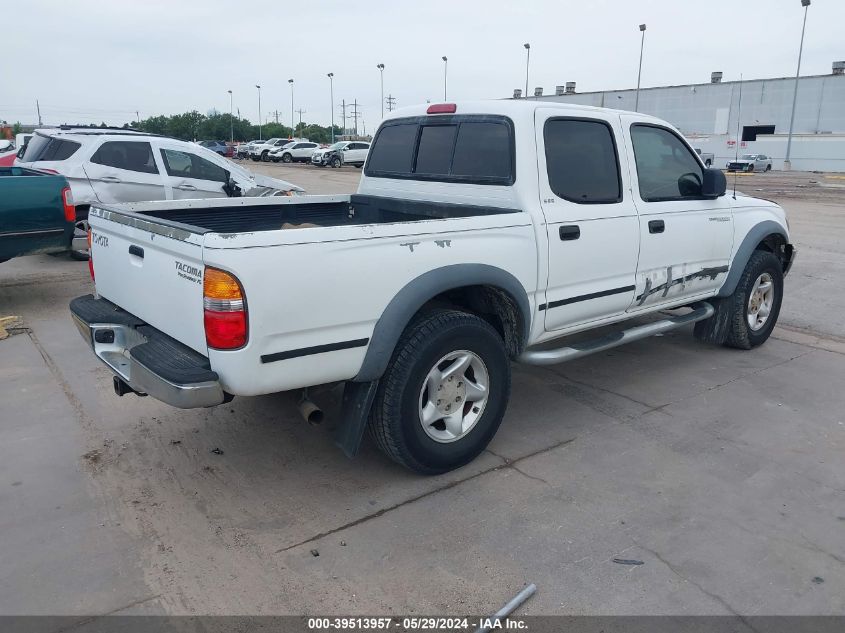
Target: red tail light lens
(224, 307)
(67, 203)
(442, 108)
(225, 330)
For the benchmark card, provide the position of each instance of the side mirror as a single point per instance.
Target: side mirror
(345, 148)
(714, 183)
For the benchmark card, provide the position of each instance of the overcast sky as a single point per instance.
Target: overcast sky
(101, 60)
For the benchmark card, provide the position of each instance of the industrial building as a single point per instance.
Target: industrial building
(751, 116)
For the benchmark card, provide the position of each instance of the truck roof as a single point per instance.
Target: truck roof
(516, 108)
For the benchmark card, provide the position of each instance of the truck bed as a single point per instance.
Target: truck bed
(272, 215)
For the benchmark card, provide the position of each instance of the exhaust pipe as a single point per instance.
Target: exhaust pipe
(309, 411)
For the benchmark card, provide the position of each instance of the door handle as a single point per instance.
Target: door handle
(137, 251)
(656, 226)
(569, 232)
(186, 187)
(110, 179)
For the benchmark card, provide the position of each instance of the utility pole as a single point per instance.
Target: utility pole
(290, 81)
(343, 110)
(137, 116)
(259, 111)
(331, 94)
(231, 120)
(355, 115)
(301, 112)
(38, 108)
(640, 71)
(527, 47)
(391, 103)
(787, 164)
(445, 70)
(276, 114)
(381, 72)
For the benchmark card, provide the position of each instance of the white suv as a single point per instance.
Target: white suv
(299, 152)
(342, 153)
(117, 165)
(261, 150)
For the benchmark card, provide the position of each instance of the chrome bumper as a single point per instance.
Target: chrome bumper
(113, 342)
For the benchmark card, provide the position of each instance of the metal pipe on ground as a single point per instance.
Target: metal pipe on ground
(510, 607)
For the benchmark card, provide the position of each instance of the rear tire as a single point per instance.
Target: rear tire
(444, 393)
(768, 168)
(755, 304)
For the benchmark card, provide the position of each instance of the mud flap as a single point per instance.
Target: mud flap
(355, 410)
(715, 329)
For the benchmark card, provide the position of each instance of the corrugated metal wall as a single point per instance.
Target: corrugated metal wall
(708, 113)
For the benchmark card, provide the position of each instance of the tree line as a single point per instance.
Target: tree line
(191, 126)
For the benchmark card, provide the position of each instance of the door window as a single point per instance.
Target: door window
(581, 161)
(129, 155)
(666, 168)
(188, 165)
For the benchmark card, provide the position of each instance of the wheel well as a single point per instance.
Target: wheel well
(774, 243)
(492, 304)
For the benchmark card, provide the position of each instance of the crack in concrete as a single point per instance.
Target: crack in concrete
(509, 463)
(710, 594)
(660, 408)
(88, 620)
(452, 484)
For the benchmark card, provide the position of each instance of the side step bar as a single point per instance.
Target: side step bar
(700, 312)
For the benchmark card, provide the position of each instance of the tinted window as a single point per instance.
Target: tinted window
(188, 165)
(126, 155)
(434, 155)
(483, 150)
(666, 169)
(394, 151)
(581, 161)
(48, 148)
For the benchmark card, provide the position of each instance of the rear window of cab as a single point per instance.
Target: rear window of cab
(473, 149)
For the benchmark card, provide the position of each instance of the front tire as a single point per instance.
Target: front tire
(755, 304)
(335, 162)
(287, 158)
(444, 393)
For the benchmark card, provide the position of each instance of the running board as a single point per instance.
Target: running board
(584, 348)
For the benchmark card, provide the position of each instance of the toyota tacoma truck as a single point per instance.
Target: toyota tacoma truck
(481, 233)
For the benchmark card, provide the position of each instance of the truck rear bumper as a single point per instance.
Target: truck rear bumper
(144, 358)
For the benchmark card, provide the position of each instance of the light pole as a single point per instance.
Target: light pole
(787, 164)
(445, 70)
(527, 61)
(331, 93)
(640, 71)
(290, 81)
(231, 120)
(381, 72)
(259, 112)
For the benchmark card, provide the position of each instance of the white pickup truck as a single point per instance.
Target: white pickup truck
(482, 233)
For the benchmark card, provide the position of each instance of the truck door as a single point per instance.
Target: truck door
(685, 240)
(593, 230)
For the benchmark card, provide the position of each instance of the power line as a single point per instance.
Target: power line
(391, 102)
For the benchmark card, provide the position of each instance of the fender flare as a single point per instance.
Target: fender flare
(422, 289)
(757, 234)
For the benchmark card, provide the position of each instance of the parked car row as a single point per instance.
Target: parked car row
(301, 150)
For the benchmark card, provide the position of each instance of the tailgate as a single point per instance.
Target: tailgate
(151, 270)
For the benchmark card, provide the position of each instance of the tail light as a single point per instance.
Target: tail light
(67, 203)
(90, 257)
(224, 308)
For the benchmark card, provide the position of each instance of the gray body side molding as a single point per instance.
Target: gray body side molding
(416, 293)
(756, 235)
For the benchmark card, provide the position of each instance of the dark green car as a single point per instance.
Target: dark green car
(36, 214)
